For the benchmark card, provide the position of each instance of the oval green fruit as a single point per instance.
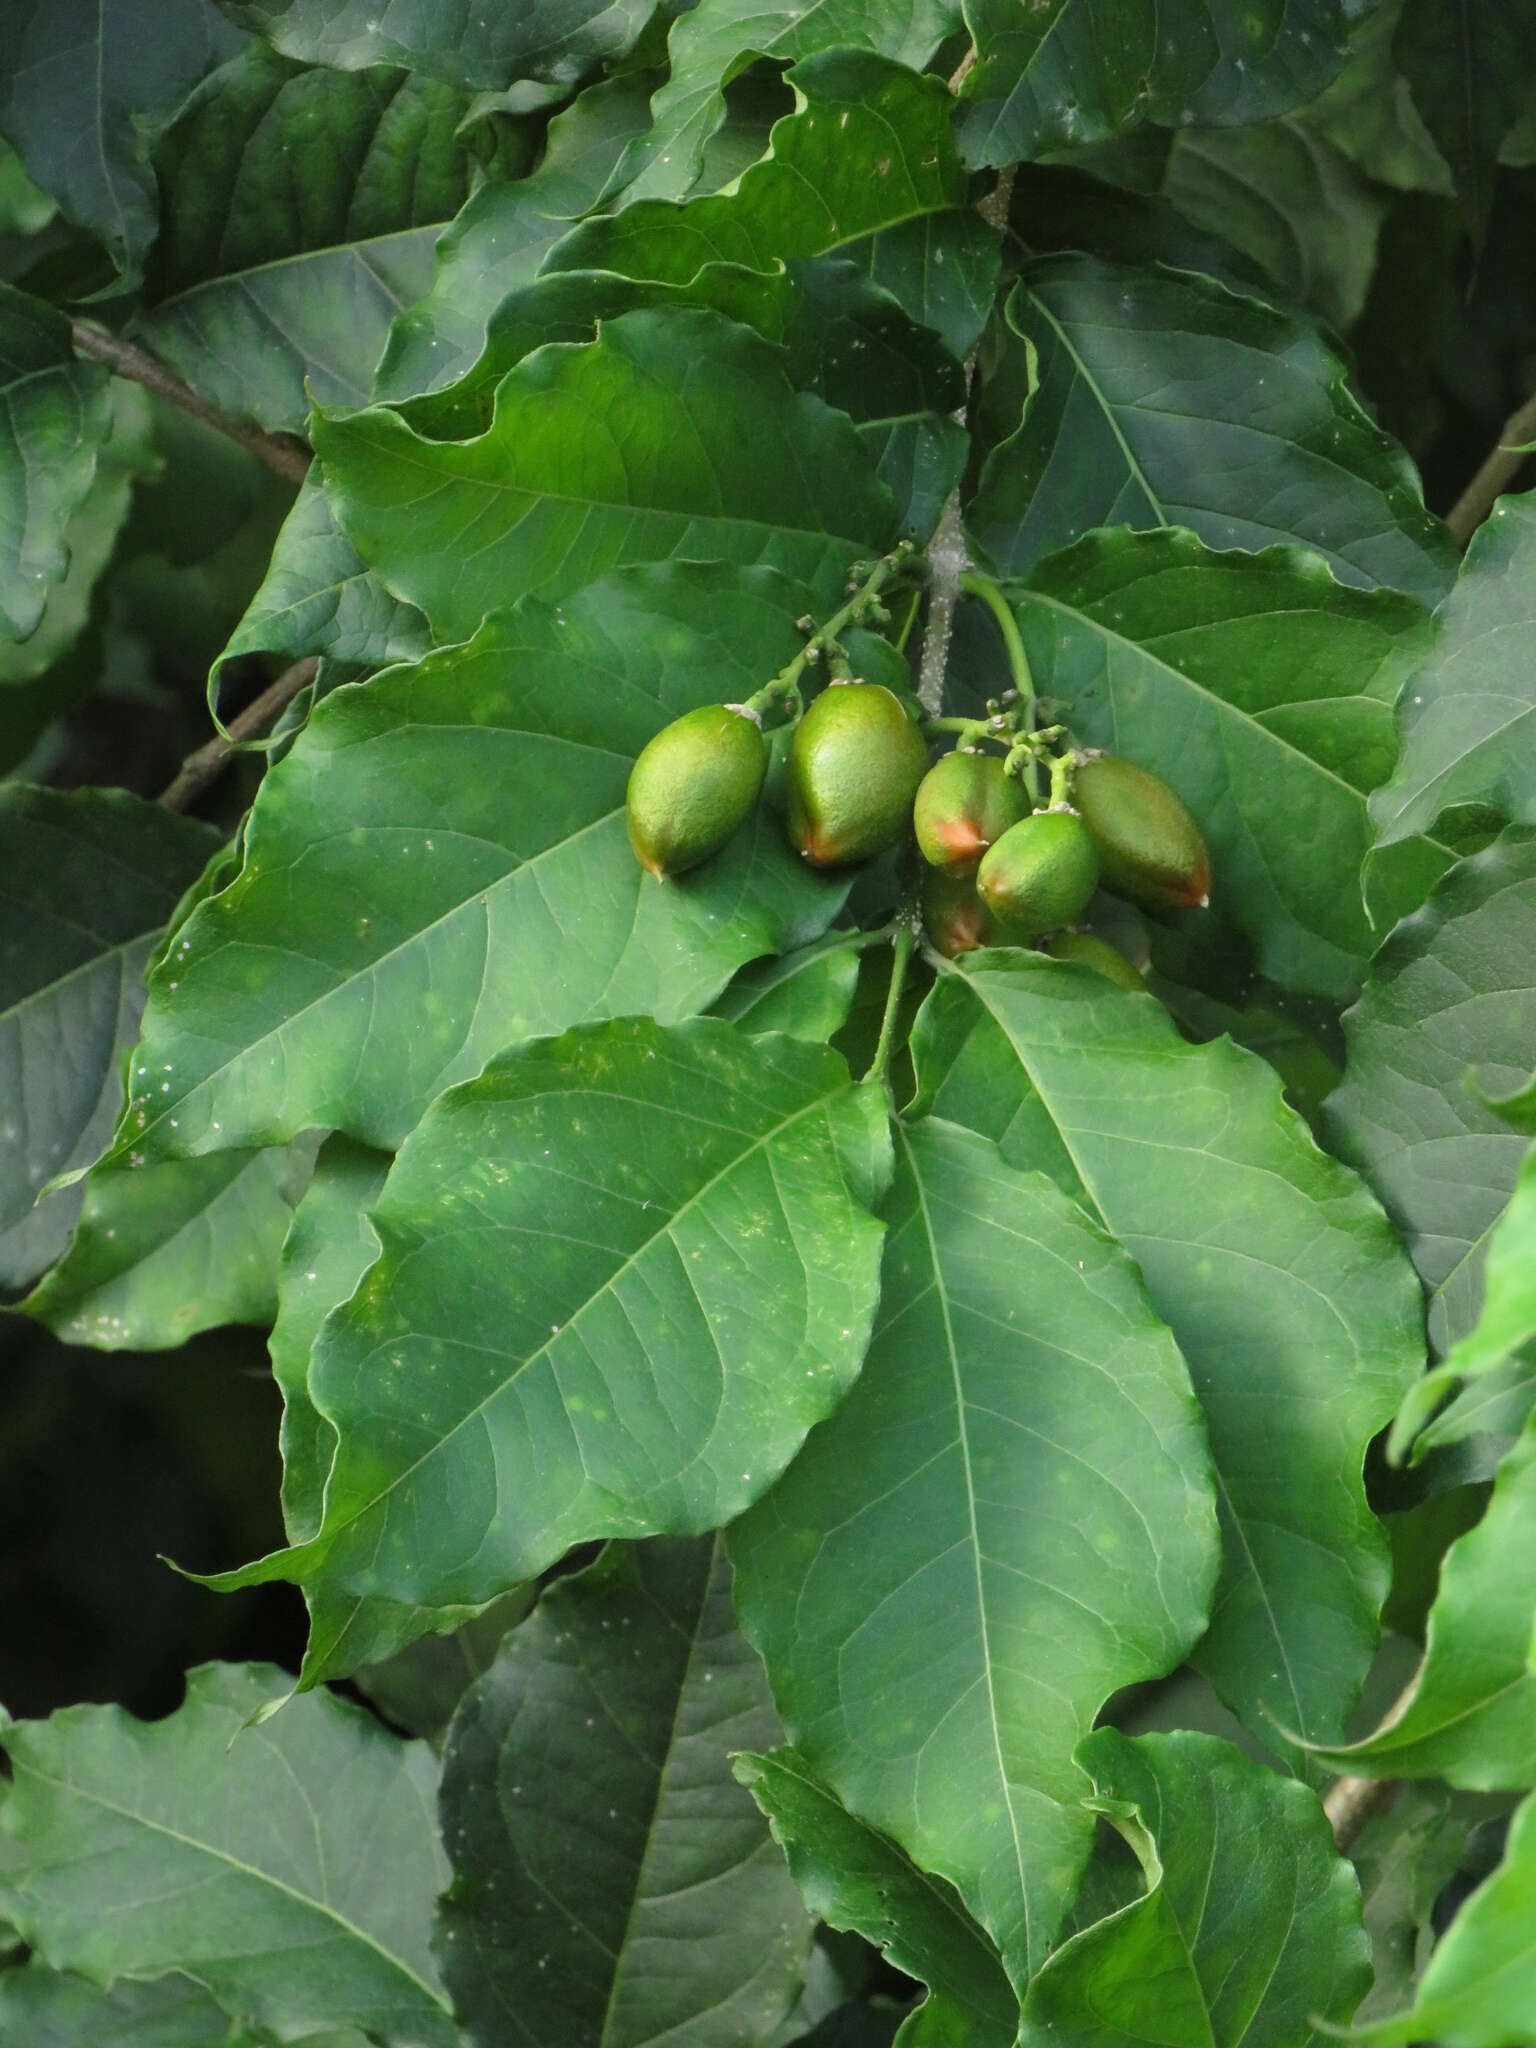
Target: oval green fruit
(1040, 874)
(854, 767)
(963, 804)
(954, 916)
(1096, 953)
(693, 785)
(1149, 846)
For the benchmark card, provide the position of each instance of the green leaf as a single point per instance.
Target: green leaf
(1471, 67)
(1275, 1270)
(91, 876)
(807, 993)
(84, 86)
(57, 414)
(617, 1370)
(644, 445)
(1404, 1858)
(1064, 73)
(419, 1687)
(1368, 111)
(1471, 1718)
(1451, 995)
(301, 209)
(1249, 1931)
(42, 2008)
(160, 1254)
(1480, 1988)
(1261, 691)
(908, 1605)
(503, 234)
(318, 596)
(714, 41)
(476, 48)
(288, 1869)
(1164, 399)
(855, 1879)
(1469, 711)
(636, 1896)
(440, 866)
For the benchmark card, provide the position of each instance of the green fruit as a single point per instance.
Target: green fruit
(693, 785)
(954, 916)
(1040, 874)
(1088, 951)
(854, 767)
(1149, 846)
(964, 803)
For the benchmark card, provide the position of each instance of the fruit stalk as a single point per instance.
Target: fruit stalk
(783, 690)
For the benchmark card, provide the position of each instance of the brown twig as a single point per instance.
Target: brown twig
(208, 763)
(1499, 468)
(1351, 1802)
(288, 457)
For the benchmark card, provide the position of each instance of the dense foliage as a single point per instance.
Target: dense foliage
(890, 1432)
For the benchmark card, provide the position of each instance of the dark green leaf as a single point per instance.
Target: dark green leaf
(807, 993)
(469, 45)
(85, 84)
(57, 413)
(419, 1688)
(620, 1889)
(1261, 690)
(1404, 1858)
(1368, 111)
(91, 877)
(624, 1364)
(710, 43)
(1064, 72)
(1469, 712)
(853, 1878)
(1480, 1988)
(1471, 67)
(1165, 399)
(290, 1869)
(1451, 996)
(1250, 1929)
(42, 2008)
(301, 209)
(440, 866)
(644, 445)
(1010, 1517)
(1274, 1268)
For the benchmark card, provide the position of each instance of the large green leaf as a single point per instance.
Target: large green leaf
(1471, 67)
(1164, 399)
(1469, 712)
(1472, 1716)
(289, 1869)
(85, 84)
(627, 1894)
(1261, 690)
(644, 445)
(1451, 997)
(1070, 71)
(624, 1366)
(858, 1880)
(1009, 1518)
(714, 41)
(807, 993)
(503, 234)
(91, 877)
(1277, 1273)
(440, 866)
(57, 414)
(301, 209)
(1249, 1931)
(162, 1253)
(1480, 1988)
(42, 2008)
(472, 46)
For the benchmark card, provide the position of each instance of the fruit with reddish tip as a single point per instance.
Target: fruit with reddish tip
(854, 766)
(1040, 874)
(1149, 846)
(693, 786)
(954, 916)
(964, 803)
(1096, 953)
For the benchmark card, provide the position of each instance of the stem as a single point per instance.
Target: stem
(287, 457)
(208, 763)
(1499, 468)
(901, 954)
(786, 684)
(1351, 1802)
(976, 585)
